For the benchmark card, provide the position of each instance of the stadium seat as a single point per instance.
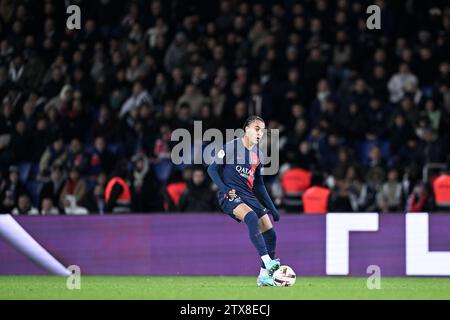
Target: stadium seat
(441, 187)
(294, 182)
(174, 191)
(315, 200)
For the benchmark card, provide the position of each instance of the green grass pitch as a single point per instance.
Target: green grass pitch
(199, 288)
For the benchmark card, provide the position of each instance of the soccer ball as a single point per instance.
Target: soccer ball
(284, 276)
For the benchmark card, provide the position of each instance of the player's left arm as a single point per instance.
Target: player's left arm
(263, 195)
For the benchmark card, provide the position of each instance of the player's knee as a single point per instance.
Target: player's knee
(251, 217)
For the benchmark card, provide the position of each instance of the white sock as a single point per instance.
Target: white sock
(263, 272)
(265, 258)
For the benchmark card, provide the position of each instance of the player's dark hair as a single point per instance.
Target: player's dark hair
(252, 119)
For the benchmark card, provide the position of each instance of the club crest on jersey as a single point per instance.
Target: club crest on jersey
(221, 154)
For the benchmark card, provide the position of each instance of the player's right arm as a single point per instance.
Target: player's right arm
(215, 170)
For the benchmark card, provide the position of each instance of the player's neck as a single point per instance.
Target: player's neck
(247, 143)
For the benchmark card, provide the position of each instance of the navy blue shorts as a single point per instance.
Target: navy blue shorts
(228, 205)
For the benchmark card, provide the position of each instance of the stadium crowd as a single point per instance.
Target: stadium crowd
(363, 111)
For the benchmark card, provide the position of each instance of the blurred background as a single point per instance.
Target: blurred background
(86, 115)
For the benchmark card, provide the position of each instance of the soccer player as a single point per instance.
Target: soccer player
(236, 170)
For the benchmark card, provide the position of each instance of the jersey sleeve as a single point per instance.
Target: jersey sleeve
(215, 170)
(220, 156)
(260, 189)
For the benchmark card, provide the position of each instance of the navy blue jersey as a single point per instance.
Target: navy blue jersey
(240, 166)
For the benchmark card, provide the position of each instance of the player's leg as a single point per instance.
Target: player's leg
(244, 213)
(269, 235)
(270, 238)
(240, 211)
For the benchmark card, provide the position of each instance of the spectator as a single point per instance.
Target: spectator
(54, 155)
(71, 207)
(434, 115)
(398, 81)
(433, 146)
(353, 122)
(375, 178)
(146, 194)
(47, 207)
(299, 134)
(340, 200)
(41, 139)
(139, 96)
(345, 165)
(306, 157)
(75, 186)
(362, 197)
(318, 104)
(94, 201)
(315, 69)
(76, 157)
(61, 101)
(162, 149)
(342, 53)
(376, 120)
(13, 189)
(193, 97)
(376, 158)
(360, 93)
(184, 117)
(239, 115)
(328, 151)
(53, 183)
(24, 206)
(258, 102)
(409, 110)
(198, 197)
(390, 196)
(101, 159)
(159, 91)
(21, 141)
(418, 199)
(176, 53)
(399, 132)
(105, 125)
(378, 82)
(410, 153)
